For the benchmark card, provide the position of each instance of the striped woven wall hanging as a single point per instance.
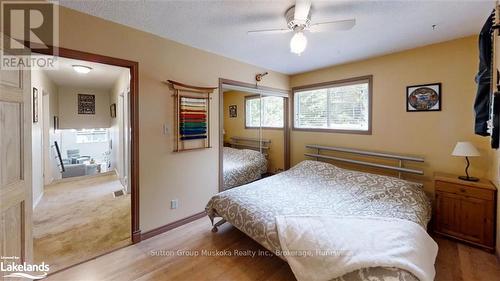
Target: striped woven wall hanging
(192, 116)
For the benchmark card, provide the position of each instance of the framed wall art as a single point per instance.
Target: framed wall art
(233, 111)
(86, 104)
(425, 97)
(112, 110)
(56, 123)
(35, 105)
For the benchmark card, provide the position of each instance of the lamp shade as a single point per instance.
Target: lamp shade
(465, 148)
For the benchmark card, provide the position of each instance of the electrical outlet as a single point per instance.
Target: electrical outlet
(174, 204)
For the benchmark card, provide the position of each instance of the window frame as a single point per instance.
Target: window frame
(343, 82)
(92, 133)
(249, 97)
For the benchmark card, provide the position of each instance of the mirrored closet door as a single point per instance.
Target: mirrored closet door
(253, 133)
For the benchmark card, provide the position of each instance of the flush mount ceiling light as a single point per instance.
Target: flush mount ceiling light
(298, 19)
(82, 69)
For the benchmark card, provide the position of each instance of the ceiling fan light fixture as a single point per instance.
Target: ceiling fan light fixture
(82, 69)
(298, 43)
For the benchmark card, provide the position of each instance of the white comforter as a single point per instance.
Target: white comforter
(326, 247)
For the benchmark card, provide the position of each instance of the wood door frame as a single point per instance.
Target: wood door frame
(286, 127)
(133, 67)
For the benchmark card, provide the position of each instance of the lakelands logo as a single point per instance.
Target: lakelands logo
(27, 28)
(22, 270)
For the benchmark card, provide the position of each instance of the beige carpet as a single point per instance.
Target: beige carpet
(78, 220)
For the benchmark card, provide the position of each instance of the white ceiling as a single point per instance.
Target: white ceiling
(220, 27)
(102, 76)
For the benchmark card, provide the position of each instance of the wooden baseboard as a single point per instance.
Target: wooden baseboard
(136, 236)
(172, 225)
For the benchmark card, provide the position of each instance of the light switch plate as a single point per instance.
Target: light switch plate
(174, 204)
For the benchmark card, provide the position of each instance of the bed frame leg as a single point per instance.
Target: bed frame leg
(217, 224)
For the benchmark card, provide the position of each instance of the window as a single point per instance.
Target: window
(271, 114)
(91, 135)
(338, 106)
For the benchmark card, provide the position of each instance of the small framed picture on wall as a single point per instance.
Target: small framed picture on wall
(35, 105)
(426, 97)
(233, 111)
(56, 123)
(112, 110)
(86, 104)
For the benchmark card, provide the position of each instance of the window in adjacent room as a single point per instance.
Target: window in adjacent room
(271, 113)
(91, 135)
(342, 106)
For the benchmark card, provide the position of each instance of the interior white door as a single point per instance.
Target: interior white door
(121, 139)
(47, 172)
(15, 165)
(126, 139)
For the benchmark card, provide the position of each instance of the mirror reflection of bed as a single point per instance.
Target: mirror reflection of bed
(253, 131)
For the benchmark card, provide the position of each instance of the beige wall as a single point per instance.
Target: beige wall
(43, 134)
(117, 96)
(163, 173)
(51, 165)
(236, 127)
(428, 134)
(68, 109)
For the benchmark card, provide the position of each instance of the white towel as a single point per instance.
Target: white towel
(321, 248)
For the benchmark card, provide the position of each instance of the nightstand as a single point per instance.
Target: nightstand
(465, 210)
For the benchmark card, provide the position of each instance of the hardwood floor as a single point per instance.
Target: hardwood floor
(143, 261)
(457, 261)
(78, 220)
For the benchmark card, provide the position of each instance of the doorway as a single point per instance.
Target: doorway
(99, 156)
(254, 133)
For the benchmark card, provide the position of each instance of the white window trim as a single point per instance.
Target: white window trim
(264, 127)
(345, 82)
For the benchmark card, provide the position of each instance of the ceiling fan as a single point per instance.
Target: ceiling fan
(298, 18)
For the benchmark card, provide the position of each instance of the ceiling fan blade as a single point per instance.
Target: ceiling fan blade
(302, 8)
(268, 31)
(333, 25)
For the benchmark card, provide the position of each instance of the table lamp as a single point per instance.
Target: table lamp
(466, 149)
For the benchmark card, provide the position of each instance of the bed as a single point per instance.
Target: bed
(318, 188)
(241, 166)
